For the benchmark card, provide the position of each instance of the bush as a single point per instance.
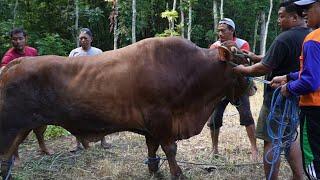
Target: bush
(53, 44)
(55, 131)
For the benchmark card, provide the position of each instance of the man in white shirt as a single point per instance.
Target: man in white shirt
(85, 49)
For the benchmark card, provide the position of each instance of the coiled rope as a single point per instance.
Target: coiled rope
(282, 123)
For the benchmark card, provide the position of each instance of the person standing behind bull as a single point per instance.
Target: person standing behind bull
(20, 49)
(226, 30)
(85, 49)
(281, 58)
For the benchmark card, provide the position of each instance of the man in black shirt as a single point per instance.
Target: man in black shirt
(281, 58)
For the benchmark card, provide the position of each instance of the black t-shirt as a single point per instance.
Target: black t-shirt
(283, 55)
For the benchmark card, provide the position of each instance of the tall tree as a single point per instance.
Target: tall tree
(215, 17)
(174, 7)
(262, 32)
(114, 23)
(221, 9)
(182, 18)
(15, 12)
(134, 15)
(264, 40)
(189, 20)
(76, 22)
(255, 34)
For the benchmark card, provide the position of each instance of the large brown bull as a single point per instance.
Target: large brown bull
(162, 88)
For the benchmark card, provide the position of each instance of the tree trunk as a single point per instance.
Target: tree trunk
(221, 9)
(182, 19)
(15, 12)
(190, 20)
(76, 22)
(255, 35)
(115, 26)
(215, 18)
(174, 6)
(266, 29)
(262, 32)
(134, 15)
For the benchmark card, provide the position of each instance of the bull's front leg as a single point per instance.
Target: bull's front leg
(153, 160)
(170, 149)
(6, 167)
(39, 131)
(7, 159)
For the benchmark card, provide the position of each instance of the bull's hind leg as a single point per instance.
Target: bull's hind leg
(6, 159)
(153, 160)
(170, 149)
(39, 131)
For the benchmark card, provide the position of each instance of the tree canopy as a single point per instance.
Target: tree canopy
(51, 24)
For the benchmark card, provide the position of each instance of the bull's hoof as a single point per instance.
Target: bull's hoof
(105, 145)
(7, 178)
(47, 152)
(179, 177)
(77, 149)
(153, 165)
(154, 168)
(157, 175)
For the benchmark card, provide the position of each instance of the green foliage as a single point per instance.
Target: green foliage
(168, 33)
(55, 131)
(170, 15)
(53, 44)
(5, 28)
(51, 24)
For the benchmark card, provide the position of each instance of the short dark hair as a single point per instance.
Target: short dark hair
(86, 31)
(291, 7)
(18, 30)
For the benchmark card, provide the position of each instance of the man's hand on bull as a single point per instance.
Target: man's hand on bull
(278, 81)
(229, 44)
(252, 56)
(241, 69)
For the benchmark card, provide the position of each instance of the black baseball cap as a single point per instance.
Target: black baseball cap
(86, 31)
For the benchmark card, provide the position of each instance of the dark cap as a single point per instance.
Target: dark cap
(86, 31)
(305, 2)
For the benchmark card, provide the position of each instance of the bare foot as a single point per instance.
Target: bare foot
(254, 154)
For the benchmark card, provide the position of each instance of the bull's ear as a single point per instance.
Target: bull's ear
(224, 53)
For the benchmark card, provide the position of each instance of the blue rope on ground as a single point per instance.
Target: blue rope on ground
(282, 123)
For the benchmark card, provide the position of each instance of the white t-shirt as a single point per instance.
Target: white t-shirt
(80, 52)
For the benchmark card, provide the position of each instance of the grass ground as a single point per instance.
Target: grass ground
(125, 160)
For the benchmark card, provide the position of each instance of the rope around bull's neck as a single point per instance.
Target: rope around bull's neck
(286, 126)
